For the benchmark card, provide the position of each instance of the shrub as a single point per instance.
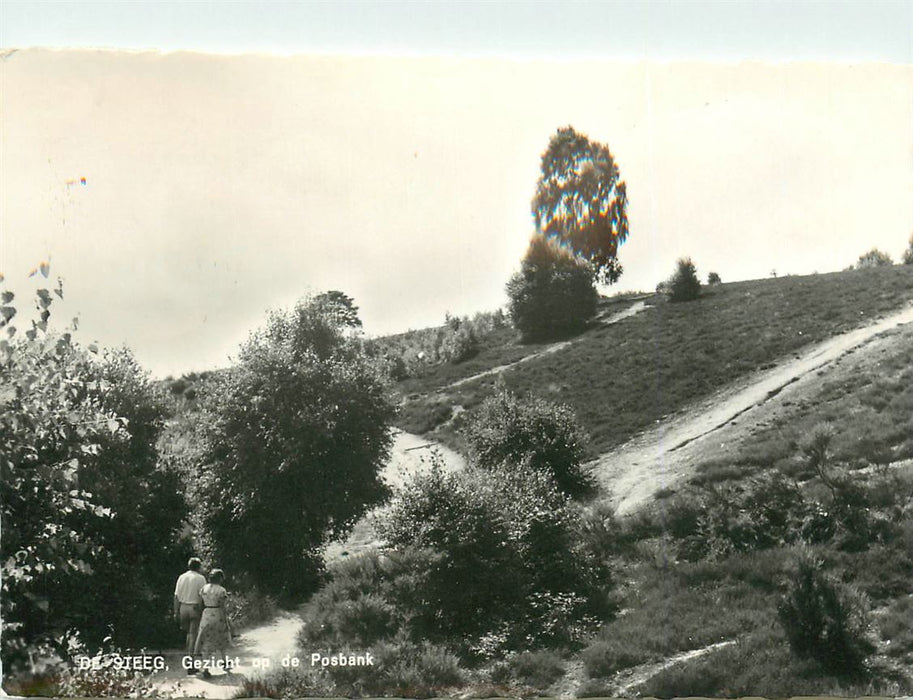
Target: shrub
(84, 498)
(530, 669)
(873, 258)
(294, 436)
(713, 278)
(533, 431)
(684, 284)
(764, 512)
(606, 656)
(459, 344)
(824, 619)
(402, 669)
(908, 253)
(249, 608)
(505, 569)
(554, 294)
(288, 683)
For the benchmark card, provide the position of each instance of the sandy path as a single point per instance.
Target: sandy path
(629, 679)
(409, 455)
(665, 455)
(271, 641)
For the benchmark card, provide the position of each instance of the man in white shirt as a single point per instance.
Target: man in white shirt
(188, 605)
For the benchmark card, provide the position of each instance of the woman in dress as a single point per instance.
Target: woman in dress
(214, 637)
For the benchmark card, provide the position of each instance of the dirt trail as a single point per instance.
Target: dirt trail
(634, 308)
(271, 641)
(410, 455)
(665, 455)
(629, 679)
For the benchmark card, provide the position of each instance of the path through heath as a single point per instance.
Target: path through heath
(667, 454)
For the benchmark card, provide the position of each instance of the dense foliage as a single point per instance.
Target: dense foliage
(507, 429)
(481, 563)
(873, 258)
(90, 520)
(553, 295)
(416, 352)
(505, 569)
(825, 619)
(684, 284)
(581, 202)
(294, 435)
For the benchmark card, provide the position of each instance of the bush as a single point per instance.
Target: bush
(713, 278)
(825, 620)
(761, 513)
(908, 253)
(530, 669)
(873, 258)
(85, 500)
(459, 344)
(605, 657)
(402, 669)
(294, 436)
(503, 568)
(533, 431)
(554, 294)
(684, 284)
(249, 608)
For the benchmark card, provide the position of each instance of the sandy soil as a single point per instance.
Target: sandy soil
(271, 641)
(410, 455)
(669, 453)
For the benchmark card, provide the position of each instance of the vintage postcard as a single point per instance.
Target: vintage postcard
(362, 374)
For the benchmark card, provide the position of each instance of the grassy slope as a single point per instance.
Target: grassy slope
(622, 378)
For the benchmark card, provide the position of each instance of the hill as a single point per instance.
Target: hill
(622, 378)
(818, 473)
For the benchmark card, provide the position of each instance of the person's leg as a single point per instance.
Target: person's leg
(193, 630)
(190, 623)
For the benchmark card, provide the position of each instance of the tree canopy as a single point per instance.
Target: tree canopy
(296, 433)
(553, 294)
(581, 202)
(90, 518)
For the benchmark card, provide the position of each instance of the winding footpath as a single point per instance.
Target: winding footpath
(665, 455)
(257, 650)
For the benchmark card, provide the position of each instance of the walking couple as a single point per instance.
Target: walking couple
(200, 608)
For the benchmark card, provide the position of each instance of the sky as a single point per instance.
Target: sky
(217, 160)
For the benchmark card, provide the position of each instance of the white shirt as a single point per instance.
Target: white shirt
(187, 589)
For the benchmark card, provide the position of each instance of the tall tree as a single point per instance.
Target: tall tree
(581, 202)
(339, 308)
(296, 433)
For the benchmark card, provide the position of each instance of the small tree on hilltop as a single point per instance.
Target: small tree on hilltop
(553, 295)
(684, 285)
(874, 258)
(339, 307)
(581, 202)
(908, 253)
